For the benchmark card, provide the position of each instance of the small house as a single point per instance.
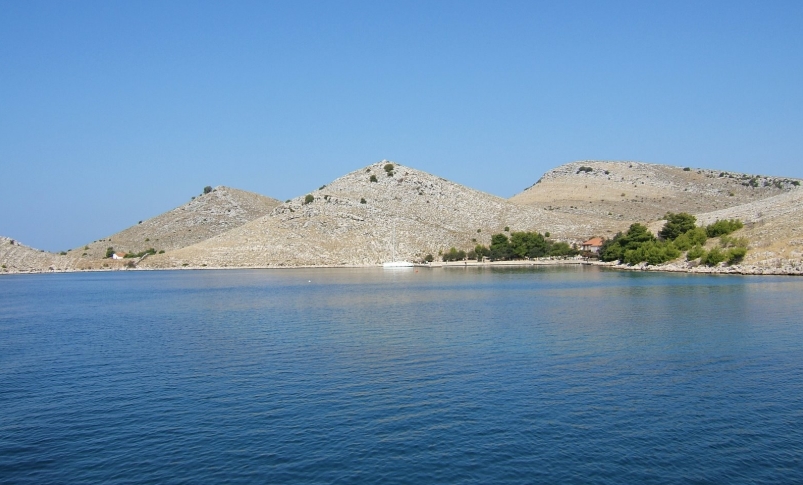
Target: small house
(593, 245)
(118, 255)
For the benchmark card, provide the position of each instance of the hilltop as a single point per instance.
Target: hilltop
(351, 221)
(205, 216)
(641, 192)
(15, 256)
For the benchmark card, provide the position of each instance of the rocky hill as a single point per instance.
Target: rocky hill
(366, 215)
(206, 215)
(16, 257)
(774, 227)
(351, 221)
(642, 192)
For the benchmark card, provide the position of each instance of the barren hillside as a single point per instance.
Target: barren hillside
(351, 222)
(642, 192)
(206, 215)
(16, 257)
(774, 227)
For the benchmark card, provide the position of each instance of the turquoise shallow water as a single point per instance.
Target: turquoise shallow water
(567, 375)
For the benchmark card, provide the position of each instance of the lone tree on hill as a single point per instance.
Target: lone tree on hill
(207, 189)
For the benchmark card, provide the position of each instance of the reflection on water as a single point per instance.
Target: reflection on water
(475, 375)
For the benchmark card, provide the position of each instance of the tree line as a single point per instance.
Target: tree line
(520, 245)
(679, 234)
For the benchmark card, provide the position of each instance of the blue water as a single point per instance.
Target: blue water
(569, 375)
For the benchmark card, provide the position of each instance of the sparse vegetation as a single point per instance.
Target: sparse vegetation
(687, 169)
(389, 169)
(308, 199)
(140, 254)
(207, 189)
(584, 169)
(109, 252)
(362, 201)
(429, 258)
(373, 178)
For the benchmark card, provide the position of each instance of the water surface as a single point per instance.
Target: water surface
(536, 375)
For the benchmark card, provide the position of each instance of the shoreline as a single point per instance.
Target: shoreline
(745, 270)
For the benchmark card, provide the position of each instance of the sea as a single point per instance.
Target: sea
(554, 375)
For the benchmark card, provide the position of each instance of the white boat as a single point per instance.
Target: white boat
(398, 264)
(394, 263)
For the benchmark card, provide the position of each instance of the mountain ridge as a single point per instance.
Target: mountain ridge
(350, 221)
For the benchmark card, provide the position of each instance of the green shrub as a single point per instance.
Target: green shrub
(723, 227)
(308, 199)
(454, 254)
(695, 252)
(161, 251)
(735, 255)
(207, 189)
(687, 169)
(652, 252)
(507, 229)
(428, 258)
(713, 257)
(730, 242)
(389, 169)
(373, 178)
(362, 201)
(109, 252)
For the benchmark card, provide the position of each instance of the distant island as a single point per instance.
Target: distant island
(350, 222)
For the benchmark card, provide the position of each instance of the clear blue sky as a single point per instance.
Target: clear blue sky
(113, 112)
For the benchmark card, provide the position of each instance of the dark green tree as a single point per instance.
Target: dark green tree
(500, 247)
(677, 224)
(614, 249)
